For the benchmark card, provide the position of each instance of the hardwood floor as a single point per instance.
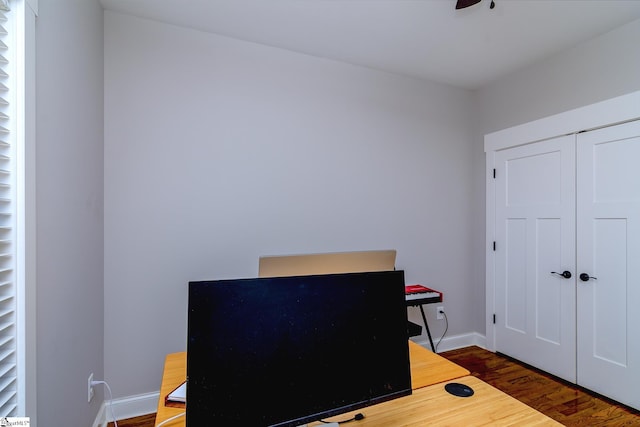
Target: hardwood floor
(559, 400)
(143, 421)
(562, 401)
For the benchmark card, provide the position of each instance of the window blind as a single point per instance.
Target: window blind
(8, 345)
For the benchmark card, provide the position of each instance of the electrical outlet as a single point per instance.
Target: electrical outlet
(440, 312)
(90, 388)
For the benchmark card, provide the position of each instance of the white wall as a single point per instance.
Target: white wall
(218, 151)
(602, 68)
(69, 204)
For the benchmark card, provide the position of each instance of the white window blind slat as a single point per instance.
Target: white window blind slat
(7, 398)
(5, 384)
(8, 395)
(8, 368)
(10, 406)
(7, 343)
(5, 355)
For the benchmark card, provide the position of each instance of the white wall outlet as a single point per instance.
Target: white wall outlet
(90, 388)
(440, 312)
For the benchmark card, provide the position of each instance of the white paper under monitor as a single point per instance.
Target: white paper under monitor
(179, 394)
(327, 263)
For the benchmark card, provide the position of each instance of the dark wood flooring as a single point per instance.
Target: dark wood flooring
(559, 400)
(562, 401)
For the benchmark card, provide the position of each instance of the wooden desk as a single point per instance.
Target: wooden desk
(429, 403)
(428, 368)
(433, 406)
(175, 372)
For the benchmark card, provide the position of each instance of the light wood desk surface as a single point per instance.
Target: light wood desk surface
(433, 406)
(175, 372)
(428, 368)
(429, 403)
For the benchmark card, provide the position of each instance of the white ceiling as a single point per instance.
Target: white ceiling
(421, 38)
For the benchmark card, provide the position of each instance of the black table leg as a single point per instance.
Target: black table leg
(426, 326)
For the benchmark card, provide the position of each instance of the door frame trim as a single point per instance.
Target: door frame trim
(605, 113)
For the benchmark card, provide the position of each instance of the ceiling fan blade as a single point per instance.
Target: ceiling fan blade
(461, 4)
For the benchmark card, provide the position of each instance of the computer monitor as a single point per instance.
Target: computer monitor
(286, 351)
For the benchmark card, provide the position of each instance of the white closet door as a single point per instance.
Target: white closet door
(608, 239)
(535, 235)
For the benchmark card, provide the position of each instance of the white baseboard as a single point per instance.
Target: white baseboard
(143, 404)
(127, 407)
(455, 342)
(101, 419)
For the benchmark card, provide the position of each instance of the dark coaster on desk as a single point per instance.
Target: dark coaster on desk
(459, 390)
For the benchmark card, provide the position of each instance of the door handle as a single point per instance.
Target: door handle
(585, 277)
(566, 274)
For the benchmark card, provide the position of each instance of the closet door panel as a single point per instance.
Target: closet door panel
(535, 236)
(608, 250)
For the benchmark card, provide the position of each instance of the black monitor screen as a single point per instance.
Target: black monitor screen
(285, 351)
